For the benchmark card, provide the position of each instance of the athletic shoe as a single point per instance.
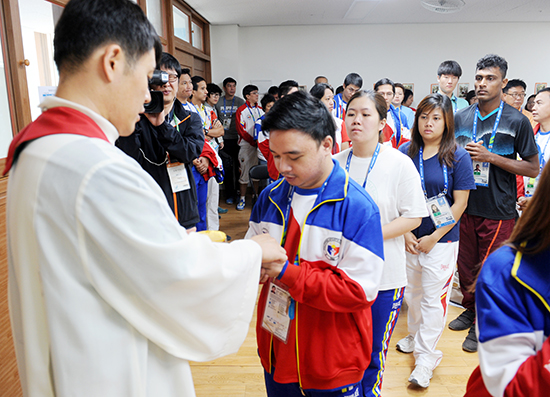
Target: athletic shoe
(470, 343)
(406, 345)
(241, 205)
(230, 201)
(222, 210)
(464, 321)
(421, 376)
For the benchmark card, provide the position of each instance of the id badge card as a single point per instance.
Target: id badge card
(226, 123)
(481, 173)
(440, 211)
(276, 318)
(531, 185)
(178, 177)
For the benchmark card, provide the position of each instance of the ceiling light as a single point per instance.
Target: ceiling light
(443, 6)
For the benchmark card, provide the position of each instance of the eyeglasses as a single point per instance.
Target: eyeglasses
(517, 95)
(215, 95)
(172, 78)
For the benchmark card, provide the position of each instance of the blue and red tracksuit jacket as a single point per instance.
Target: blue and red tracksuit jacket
(333, 281)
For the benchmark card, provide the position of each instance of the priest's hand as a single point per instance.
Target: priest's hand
(273, 255)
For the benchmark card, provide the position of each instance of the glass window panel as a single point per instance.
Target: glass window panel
(154, 13)
(196, 35)
(181, 24)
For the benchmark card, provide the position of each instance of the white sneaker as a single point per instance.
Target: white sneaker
(406, 345)
(421, 376)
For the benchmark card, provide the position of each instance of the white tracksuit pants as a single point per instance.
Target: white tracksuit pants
(427, 294)
(212, 202)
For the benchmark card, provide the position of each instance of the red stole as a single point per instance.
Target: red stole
(59, 120)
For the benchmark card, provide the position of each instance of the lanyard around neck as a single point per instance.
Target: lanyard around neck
(175, 120)
(289, 205)
(252, 113)
(202, 110)
(225, 109)
(371, 165)
(495, 127)
(421, 166)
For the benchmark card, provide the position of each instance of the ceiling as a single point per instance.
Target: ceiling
(338, 12)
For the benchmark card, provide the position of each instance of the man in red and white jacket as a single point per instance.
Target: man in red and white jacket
(314, 326)
(246, 118)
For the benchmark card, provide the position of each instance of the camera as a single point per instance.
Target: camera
(157, 102)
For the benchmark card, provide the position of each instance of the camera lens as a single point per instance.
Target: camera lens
(159, 78)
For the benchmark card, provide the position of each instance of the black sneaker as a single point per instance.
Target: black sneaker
(464, 321)
(470, 343)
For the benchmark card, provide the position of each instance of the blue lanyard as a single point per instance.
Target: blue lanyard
(371, 165)
(288, 206)
(252, 113)
(543, 151)
(421, 166)
(287, 214)
(225, 109)
(495, 127)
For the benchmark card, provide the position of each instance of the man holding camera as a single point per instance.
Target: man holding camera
(166, 143)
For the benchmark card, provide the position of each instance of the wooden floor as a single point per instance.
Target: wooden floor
(242, 375)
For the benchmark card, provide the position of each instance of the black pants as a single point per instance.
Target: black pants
(230, 158)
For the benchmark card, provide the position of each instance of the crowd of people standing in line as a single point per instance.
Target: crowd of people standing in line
(440, 173)
(447, 139)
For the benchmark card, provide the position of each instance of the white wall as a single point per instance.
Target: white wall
(404, 53)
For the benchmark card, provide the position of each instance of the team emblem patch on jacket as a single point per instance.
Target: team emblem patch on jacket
(331, 248)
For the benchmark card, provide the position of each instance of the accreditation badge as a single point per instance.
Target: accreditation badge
(276, 318)
(481, 173)
(178, 177)
(226, 123)
(440, 211)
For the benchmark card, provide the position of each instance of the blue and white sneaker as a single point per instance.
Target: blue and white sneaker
(241, 205)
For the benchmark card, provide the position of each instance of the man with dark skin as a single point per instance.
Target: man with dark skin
(494, 134)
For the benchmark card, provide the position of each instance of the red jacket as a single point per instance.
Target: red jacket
(263, 145)
(330, 338)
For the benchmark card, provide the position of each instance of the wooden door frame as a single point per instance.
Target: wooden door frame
(18, 92)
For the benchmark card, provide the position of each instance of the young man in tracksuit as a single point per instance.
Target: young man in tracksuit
(246, 117)
(314, 324)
